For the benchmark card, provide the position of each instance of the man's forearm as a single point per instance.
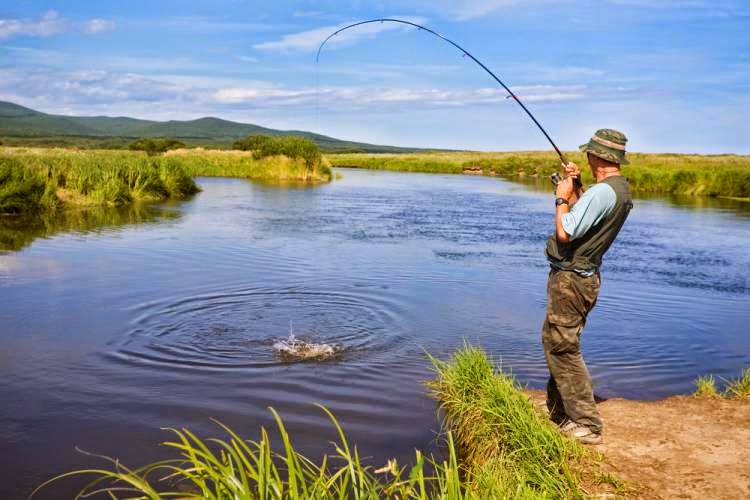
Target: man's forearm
(560, 233)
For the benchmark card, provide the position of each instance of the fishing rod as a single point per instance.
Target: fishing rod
(466, 54)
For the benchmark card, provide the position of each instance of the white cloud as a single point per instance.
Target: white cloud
(310, 40)
(358, 97)
(49, 24)
(98, 26)
(97, 91)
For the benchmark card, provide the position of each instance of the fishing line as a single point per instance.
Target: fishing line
(465, 52)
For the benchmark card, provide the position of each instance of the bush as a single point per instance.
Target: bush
(292, 146)
(251, 142)
(156, 146)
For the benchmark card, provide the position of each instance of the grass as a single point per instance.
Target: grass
(503, 448)
(219, 163)
(38, 179)
(234, 468)
(678, 174)
(508, 449)
(739, 387)
(706, 386)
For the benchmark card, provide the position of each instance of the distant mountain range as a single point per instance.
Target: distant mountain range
(30, 126)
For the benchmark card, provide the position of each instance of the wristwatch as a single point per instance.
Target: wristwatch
(560, 201)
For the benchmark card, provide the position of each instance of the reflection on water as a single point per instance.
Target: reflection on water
(117, 329)
(17, 232)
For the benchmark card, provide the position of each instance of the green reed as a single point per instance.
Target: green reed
(235, 468)
(508, 448)
(679, 174)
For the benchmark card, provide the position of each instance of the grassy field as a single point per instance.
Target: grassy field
(37, 179)
(717, 175)
(503, 448)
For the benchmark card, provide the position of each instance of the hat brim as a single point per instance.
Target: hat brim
(605, 153)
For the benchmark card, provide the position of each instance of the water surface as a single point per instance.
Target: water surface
(169, 318)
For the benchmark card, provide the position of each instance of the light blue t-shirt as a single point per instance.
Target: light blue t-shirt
(593, 206)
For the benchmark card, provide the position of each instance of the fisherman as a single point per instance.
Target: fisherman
(585, 227)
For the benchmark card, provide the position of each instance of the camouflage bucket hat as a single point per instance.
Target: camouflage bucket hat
(608, 145)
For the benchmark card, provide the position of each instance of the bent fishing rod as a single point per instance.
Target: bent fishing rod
(466, 53)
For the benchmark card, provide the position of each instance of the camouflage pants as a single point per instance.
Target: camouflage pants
(570, 298)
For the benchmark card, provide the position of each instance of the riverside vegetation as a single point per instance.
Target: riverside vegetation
(37, 179)
(678, 174)
(497, 446)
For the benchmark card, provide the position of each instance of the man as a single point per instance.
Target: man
(585, 227)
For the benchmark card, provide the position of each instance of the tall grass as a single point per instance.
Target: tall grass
(34, 179)
(216, 163)
(93, 178)
(233, 468)
(708, 175)
(509, 449)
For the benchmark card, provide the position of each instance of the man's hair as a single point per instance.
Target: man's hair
(601, 161)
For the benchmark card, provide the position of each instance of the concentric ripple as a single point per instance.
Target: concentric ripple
(238, 329)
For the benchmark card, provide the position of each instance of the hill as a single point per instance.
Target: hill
(22, 125)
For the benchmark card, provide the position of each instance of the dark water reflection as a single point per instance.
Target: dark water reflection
(17, 232)
(109, 335)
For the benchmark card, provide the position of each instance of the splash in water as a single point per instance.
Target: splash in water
(294, 349)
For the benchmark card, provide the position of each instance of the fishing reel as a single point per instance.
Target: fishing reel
(557, 178)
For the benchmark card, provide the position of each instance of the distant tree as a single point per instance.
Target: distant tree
(156, 146)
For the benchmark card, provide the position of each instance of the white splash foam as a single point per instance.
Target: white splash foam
(294, 349)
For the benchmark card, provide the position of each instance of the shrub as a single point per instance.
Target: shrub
(156, 146)
(251, 142)
(292, 146)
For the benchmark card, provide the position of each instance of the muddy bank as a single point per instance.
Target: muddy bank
(680, 447)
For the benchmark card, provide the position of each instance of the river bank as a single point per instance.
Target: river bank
(675, 174)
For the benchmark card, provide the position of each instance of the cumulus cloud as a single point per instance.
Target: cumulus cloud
(308, 41)
(50, 23)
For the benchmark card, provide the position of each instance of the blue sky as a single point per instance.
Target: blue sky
(674, 75)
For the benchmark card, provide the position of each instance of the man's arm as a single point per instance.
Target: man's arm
(565, 190)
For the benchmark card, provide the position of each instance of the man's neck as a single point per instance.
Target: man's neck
(602, 174)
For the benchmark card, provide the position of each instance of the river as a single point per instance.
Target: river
(117, 325)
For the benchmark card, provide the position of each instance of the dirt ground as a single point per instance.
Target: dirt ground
(680, 447)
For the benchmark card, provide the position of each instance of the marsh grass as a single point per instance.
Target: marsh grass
(234, 468)
(35, 179)
(91, 178)
(678, 174)
(507, 448)
(218, 163)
